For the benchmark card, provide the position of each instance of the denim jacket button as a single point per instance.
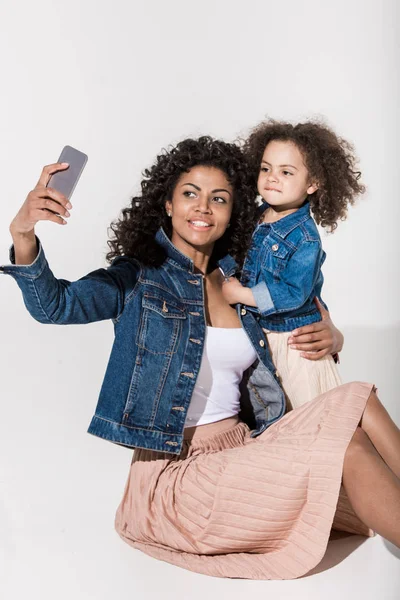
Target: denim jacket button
(262, 343)
(275, 247)
(243, 312)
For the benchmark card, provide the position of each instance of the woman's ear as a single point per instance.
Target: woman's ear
(168, 208)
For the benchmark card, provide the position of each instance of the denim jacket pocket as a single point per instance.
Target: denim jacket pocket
(160, 324)
(275, 257)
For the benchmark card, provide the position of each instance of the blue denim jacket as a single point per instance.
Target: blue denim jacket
(160, 326)
(283, 270)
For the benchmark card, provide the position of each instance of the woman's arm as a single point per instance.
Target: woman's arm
(319, 339)
(97, 296)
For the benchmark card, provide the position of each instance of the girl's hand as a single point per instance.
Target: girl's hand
(319, 339)
(234, 292)
(41, 204)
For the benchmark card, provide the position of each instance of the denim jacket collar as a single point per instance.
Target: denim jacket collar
(284, 226)
(173, 253)
(227, 264)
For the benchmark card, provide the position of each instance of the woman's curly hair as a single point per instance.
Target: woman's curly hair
(330, 161)
(134, 232)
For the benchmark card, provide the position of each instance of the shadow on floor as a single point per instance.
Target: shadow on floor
(392, 549)
(340, 546)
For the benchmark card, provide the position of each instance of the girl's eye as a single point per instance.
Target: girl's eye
(264, 169)
(219, 200)
(287, 173)
(189, 194)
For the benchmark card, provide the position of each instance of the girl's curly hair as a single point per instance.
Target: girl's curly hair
(134, 232)
(330, 161)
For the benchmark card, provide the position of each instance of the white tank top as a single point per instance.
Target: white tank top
(227, 354)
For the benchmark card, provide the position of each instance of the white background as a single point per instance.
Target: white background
(119, 80)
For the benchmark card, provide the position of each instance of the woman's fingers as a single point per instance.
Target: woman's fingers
(46, 215)
(52, 200)
(41, 192)
(314, 327)
(53, 207)
(40, 213)
(310, 346)
(314, 355)
(309, 333)
(313, 341)
(307, 338)
(42, 204)
(48, 171)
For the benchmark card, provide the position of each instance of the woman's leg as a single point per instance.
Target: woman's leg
(383, 432)
(372, 488)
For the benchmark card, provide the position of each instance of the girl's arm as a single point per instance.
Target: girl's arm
(236, 293)
(295, 285)
(313, 341)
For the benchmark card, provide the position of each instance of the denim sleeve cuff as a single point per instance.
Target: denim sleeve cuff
(262, 297)
(30, 271)
(227, 265)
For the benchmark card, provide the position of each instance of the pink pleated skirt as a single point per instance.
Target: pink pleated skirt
(255, 508)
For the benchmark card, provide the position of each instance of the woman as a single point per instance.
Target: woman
(205, 491)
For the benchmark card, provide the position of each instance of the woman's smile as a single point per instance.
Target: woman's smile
(199, 224)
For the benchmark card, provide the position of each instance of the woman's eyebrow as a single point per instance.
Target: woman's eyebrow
(195, 186)
(221, 190)
(212, 191)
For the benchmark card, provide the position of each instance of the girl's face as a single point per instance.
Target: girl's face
(284, 181)
(201, 207)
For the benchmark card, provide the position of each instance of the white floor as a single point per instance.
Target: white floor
(57, 542)
(59, 488)
(88, 561)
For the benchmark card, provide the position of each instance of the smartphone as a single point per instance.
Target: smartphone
(65, 181)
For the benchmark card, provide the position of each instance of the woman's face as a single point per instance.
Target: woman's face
(200, 208)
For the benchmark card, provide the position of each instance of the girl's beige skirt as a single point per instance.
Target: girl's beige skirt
(302, 380)
(257, 508)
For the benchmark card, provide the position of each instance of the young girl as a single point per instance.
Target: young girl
(301, 170)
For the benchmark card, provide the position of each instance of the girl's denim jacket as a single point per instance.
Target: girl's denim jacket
(283, 270)
(159, 323)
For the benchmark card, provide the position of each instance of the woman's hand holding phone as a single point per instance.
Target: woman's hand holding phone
(41, 204)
